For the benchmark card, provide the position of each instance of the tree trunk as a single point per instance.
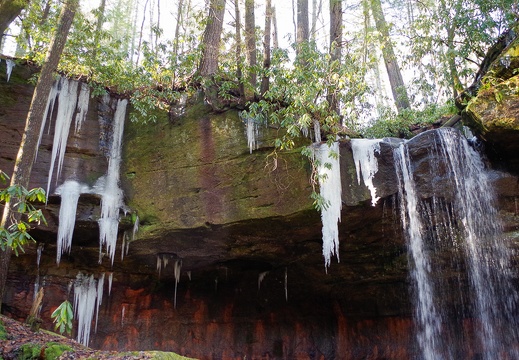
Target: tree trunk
(141, 33)
(239, 62)
(275, 40)
(393, 70)
(211, 40)
(316, 10)
(28, 146)
(99, 26)
(303, 31)
(9, 10)
(177, 28)
(250, 40)
(265, 81)
(335, 46)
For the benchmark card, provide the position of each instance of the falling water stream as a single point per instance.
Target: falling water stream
(464, 222)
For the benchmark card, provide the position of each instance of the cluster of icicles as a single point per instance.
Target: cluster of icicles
(75, 107)
(72, 99)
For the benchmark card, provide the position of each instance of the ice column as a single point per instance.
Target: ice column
(366, 163)
(9, 68)
(331, 191)
(67, 106)
(70, 192)
(112, 195)
(85, 297)
(252, 134)
(82, 106)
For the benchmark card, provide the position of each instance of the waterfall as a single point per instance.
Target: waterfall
(427, 316)
(487, 257)
(70, 191)
(366, 163)
(111, 193)
(458, 217)
(330, 189)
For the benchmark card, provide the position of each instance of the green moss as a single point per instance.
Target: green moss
(159, 355)
(29, 352)
(3, 332)
(52, 351)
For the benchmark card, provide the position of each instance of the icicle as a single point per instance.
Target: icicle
(67, 106)
(82, 106)
(100, 285)
(135, 228)
(38, 254)
(317, 131)
(9, 68)
(178, 267)
(85, 296)
(70, 192)
(50, 106)
(252, 134)
(261, 276)
(159, 264)
(331, 191)
(110, 279)
(112, 195)
(188, 275)
(123, 245)
(286, 284)
(122, 315)
(366, 163)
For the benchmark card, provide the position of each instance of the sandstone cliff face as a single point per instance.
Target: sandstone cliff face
(230, 217)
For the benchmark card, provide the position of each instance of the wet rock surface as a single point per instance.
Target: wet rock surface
(252, 282)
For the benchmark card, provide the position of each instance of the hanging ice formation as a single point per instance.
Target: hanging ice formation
(252, 133)
(261, 276)
(162, 262)
(286, 284)
(100, 286)
(86, 298)
(70, 191)
(111, 193)
(366, 163)
(39, 251)
(331, 191)
(67, 106)
(49, 109)
(110, 280)
(177, 268)
(9, 65)
(82, 106)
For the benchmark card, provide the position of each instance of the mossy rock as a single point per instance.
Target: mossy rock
(496, 108)
(51, 351)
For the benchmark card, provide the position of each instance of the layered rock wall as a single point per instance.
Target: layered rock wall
(231, 218)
